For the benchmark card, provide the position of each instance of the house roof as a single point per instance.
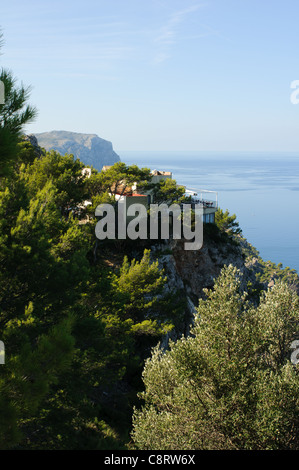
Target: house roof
(161, 172)
(130, 194)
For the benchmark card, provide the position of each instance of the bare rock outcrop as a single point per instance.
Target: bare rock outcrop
(89, 148)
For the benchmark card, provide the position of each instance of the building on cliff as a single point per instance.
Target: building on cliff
(206, 199)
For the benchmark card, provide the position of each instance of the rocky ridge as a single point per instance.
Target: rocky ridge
(189, 273)
(89, 148)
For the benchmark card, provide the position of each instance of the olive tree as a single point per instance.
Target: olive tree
(231, 383)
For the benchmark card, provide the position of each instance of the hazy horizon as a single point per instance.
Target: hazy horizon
(162, 74)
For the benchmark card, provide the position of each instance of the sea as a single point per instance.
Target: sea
(261, 188)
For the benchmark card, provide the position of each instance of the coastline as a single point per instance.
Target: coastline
(261, 188)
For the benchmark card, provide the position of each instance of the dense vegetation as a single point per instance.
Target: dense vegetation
(76, 325)
(230, 384)
(76, 328)
(79, 317)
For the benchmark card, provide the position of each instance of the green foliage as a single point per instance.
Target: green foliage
(77, 327)
(65, 172)
(14, 114)
(266, 272)
(75, 332)
(26, 152)
(167, 191)
(120, 177)
(136, 297)
(227, 223)
(230, 384)
(138, 285)
(29, 373)
(63, 392)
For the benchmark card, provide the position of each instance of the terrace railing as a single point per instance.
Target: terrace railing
(203, 197)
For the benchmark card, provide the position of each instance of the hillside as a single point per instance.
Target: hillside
(80, 318)
(89, 148)
(131, 343)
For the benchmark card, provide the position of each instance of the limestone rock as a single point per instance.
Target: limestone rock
(89, 148)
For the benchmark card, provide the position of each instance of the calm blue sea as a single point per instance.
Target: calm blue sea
(262, 189)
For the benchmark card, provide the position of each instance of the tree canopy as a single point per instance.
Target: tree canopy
(227, 223)
(74, 329)
(79, 318)
(231, 383)
(14, 114)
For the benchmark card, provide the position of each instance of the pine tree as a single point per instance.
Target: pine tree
(227, 223)
(14, 114)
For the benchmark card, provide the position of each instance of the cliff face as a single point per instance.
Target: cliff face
(33, 141)
(194, 271)
(190, 272)
(198, 269)
(89, 148)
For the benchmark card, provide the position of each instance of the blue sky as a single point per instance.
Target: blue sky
(160, 74)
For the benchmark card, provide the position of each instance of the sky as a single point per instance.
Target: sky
(159, 74)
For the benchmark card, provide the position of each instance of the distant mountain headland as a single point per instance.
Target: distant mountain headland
(89, 148)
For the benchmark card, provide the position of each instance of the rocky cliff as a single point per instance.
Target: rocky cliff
(189, 273)
(33, 141)
(89, 148)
